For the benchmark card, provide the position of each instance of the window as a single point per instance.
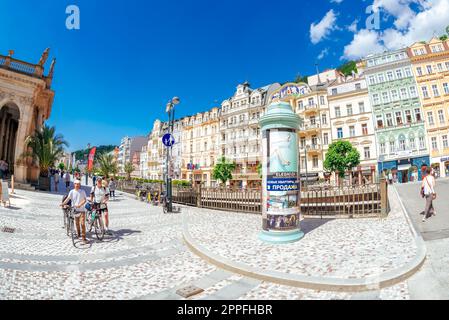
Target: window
(322, 101)
(392, 147)
(381, 78)
(441, 116)
(402, 145)
(422, 143)
(390, 76)
(445, 142)
(301, 105)
(334, 92)
(311, 102)
(364, 129)
(412, 143)
(337, 112)
(383, 149)
(425, 93)
(312, 120)
(419, 71)
(408, 72)
(352, 131)
(399, 118)
(367, 152)
(385, 97)
(380, 121)
(434, 143)
(430, 118)
(446, 88)
(436, 93)
(340, 133)
(389, 120)
(326, 138)
(429, 69)
(358, 86)
(399, 74)
(324, 118)
(376, 98)
(440, 67)
(404, 94)
(418, 115)
(349, 109)
(315, 162)
(303, 142)
(394, 95)
(372, 80)
(447, 65)
(408, 116)
(413, 92)
(362, 107)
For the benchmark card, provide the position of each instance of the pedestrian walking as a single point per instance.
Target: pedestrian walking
(67, 180)
(56, 180)
(429, 194)
(112, 188)
(3, 169)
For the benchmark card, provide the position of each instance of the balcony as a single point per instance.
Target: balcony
(311, 108)
(400, 126)
(310, 128)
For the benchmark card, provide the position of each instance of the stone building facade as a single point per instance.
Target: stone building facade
(26, 100)
(398, 115)
(430, 62)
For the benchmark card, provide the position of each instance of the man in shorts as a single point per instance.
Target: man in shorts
(78, 198)
(99, 195)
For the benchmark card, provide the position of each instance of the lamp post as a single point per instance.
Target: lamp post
(168, 182)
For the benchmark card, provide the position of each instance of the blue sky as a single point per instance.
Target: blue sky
(114, 76)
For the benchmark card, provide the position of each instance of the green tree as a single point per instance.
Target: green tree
(300, 79)
(341, 157)
(129, 169)
(444, 37)
(223, 170)
(61, 166)
(106, 164)
(348, 68)
(45, 148)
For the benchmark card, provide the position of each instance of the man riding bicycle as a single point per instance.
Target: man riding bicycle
(78, 199)
(99, 196)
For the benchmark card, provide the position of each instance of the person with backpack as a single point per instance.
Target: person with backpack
(99, 196)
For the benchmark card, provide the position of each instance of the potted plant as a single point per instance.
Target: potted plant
(45, 147)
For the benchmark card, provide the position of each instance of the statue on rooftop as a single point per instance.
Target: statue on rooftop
(44, 57)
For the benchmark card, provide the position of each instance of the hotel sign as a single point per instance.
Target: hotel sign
(290, 90)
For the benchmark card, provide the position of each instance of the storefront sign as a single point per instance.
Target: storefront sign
(444, 159)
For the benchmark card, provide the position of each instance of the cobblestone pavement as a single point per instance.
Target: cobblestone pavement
(345, 248)
(145, 258)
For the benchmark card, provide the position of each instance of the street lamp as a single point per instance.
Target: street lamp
(171, 120)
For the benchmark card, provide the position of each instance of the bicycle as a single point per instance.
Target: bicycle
(94, 219)
(71, 213)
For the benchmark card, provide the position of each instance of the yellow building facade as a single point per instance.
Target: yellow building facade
(430, 62)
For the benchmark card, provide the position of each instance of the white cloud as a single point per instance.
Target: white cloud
(353, 26)
(319, 31)
(364, 43)
(323, 53)
(409, 27)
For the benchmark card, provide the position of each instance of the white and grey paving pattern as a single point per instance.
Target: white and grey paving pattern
(146, 258)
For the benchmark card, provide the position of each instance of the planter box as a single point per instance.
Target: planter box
(44, 184)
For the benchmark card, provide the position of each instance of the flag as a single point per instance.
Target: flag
(90, 165)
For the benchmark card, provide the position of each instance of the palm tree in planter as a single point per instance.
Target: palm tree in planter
(106, 164)
(45, 147)
(129, 169)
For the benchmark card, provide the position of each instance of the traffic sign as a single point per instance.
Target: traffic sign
(168, 140)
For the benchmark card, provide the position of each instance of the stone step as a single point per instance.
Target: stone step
(24, 186)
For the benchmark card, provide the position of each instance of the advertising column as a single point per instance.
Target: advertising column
(280, 171)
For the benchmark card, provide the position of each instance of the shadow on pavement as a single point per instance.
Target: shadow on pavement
(308, 225)
(119, 235)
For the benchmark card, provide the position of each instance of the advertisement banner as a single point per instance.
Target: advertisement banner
(90, 164)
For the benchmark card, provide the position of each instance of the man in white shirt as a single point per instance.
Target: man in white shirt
(428, 185)
(79, 198)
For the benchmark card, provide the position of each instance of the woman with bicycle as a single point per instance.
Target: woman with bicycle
(99, 196)
(78, 199)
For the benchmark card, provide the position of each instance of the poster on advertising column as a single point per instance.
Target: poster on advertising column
(283, 213)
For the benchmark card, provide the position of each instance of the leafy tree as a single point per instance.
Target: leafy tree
(300, 79)
(106, 164)
(129, 169)
(348, 68)
(45, 147)
(259, 170)
(223, 170)
(341, 157)
(61, 166)
(444, 37)
(83, 154)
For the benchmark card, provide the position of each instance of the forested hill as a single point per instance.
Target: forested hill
(83, 154)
